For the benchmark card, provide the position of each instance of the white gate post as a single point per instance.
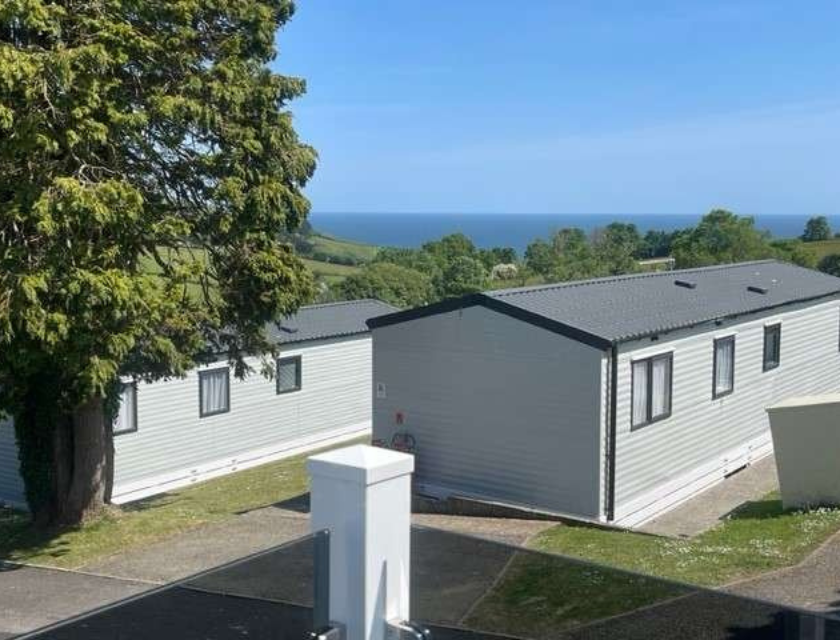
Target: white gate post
(362, 495)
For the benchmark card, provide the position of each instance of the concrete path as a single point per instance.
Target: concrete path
(812, 584)
(706, 510)
(206, 547)
(32, 597)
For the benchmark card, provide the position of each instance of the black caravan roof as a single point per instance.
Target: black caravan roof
(606, 311)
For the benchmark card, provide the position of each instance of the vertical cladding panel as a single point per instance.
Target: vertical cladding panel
(335, 393)
(701, 429)
(499, 408)
(11, 484)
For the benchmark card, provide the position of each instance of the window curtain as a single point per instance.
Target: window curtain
(214, 391)
(125, 420)
(661, 389)
(771, 346)
(640, 391)
(287, 375)
(723, 375)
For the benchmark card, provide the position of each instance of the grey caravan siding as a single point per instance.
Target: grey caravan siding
(172, 441)
(705, 438)
(499, 408)
(11, 484)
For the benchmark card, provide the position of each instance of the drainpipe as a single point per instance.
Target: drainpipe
(611, 429)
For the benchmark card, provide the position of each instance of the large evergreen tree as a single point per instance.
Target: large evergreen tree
(148, 169)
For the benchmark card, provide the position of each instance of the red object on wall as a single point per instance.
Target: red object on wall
(399, 418)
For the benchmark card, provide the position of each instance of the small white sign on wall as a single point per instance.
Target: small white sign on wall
(380, 390)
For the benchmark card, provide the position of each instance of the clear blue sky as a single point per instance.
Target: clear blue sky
(559, 106)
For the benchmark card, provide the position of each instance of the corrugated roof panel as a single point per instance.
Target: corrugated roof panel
(623, 307)
(323, 321)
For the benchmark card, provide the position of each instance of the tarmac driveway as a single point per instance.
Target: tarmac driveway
(31, 597)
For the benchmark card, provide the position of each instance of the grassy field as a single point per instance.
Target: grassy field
(824, 248)
(329, 271)
(759, 537)
(157, 518)
(356, 251)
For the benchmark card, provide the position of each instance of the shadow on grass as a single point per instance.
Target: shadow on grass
(763, 509)
(19, 537)
(768, 508)
(152, 502)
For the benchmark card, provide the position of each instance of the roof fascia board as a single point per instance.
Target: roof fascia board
(494, 304)
(554, 326)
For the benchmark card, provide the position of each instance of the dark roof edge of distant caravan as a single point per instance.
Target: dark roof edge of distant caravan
(328, 320)
(692, 297)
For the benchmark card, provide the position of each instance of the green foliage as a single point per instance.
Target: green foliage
(817, 228)
(136, 132)
(463, 275)
(830, 264)
(616, 246)
(415, 259)
(569, 255)
(397, 285)
(497, 255)
(795, 251)
(448, 248)
(656, 244)
(539, 257)
(721, 237)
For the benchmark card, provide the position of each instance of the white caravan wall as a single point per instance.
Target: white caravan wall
(173, 446)
(499, 408)
(703, 439)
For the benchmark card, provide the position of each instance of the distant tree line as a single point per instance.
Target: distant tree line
(448, 267)
(454, 266)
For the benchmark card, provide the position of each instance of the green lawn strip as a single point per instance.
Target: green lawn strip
(154, 519)
(540, 596)
(761, 536)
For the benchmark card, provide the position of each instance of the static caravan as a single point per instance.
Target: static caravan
(611, 399)
(174, 432)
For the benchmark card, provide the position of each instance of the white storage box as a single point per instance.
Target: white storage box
(806, 440)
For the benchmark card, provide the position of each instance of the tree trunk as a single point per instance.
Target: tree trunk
(89, 475)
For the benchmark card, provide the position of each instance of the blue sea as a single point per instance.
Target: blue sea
(515, 230)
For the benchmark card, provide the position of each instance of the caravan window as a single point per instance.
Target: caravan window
(214, 392)
(724, 367)
(772, 346)
(651, 389)
(126, 419)
(288, 374)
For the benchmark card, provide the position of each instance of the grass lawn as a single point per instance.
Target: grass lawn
(540, 596)
(759, 537)
(154, 519)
